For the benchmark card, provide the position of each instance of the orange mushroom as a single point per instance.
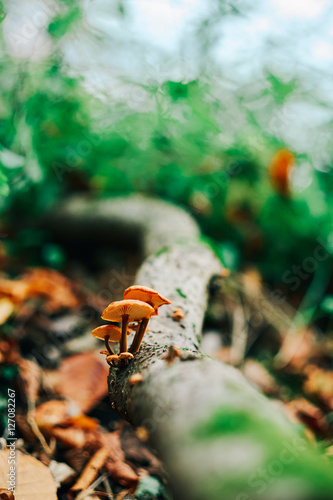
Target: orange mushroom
(112, 359)
(151, 297)
(126, 311)
(106, 333)
(115, 358)
(146, 294)
(126, 356)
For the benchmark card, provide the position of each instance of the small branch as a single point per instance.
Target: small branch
(91, 470)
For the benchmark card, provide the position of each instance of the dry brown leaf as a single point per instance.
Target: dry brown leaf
(7, 307)
(76, 458)
(122, 473)
(138, 452)
(6, 494)
(82, 378)
(24, 427)
(256, 373)
(16, 290)
(116, 466)
(56, 289)
(296, 350)
(94, 441)
(52, 413)
(9, 352)
(319, 383)
(83, 422)
(301, 410)
(33, 481)
(111, 440)
(124, 494)
(55, 418)
(29, 377)
(70, 437)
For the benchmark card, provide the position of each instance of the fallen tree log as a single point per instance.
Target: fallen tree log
(218, 437)
(147, 223)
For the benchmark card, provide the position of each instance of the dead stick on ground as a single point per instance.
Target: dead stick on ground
(91, 470)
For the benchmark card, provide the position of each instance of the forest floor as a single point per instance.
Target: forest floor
(54, 379)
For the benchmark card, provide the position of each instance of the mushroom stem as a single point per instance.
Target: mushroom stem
(139, 336)
(107, 345)
(123, 340)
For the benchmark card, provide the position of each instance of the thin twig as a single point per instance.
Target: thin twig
(35, 429)
(91, 488)
(108, 488)
(91, 470)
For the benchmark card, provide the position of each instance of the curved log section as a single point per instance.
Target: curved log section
(218, 437)
(154, 224)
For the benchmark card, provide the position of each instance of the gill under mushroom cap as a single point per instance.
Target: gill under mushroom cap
(113, 331)
(146, 295)
(135, 309)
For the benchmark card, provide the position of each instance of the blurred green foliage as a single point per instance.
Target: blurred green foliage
(195, 143)
(174, 139)
(304, 465)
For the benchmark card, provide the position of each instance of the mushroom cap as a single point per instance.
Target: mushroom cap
(146, 294)
(126, 355)
(113, 331)
(113, 358)
(135, 309)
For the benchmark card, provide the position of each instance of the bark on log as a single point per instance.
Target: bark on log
(218, 437)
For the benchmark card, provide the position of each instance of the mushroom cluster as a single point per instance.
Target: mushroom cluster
(134, 313)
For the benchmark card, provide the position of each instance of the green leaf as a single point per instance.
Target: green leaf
(327, 303)
(62, 24)
(280, 90)
(8, 159)
(8, 372)
(4, 188)
(150, 488)
(2, 12)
